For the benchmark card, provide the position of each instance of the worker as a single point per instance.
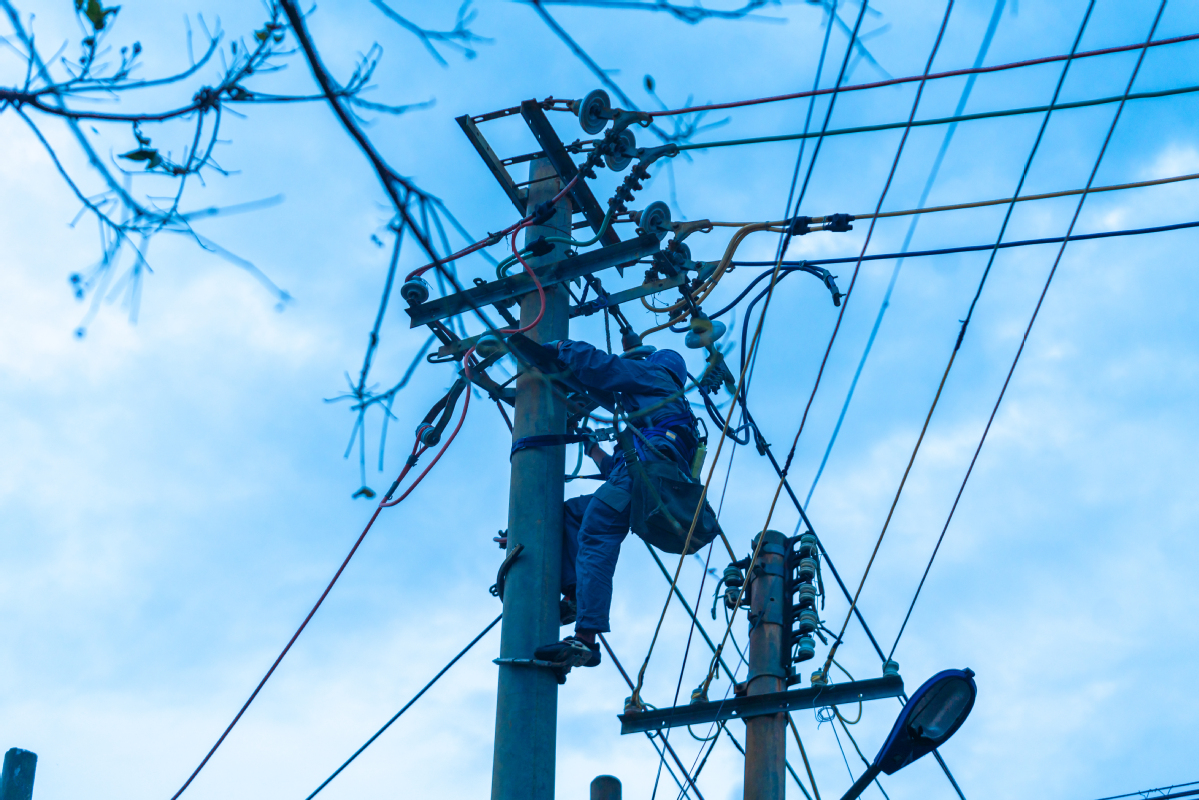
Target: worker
(644, 380)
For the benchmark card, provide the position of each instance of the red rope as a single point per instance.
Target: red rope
(912, 78)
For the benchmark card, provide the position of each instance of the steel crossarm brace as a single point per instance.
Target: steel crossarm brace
(547, 137)
(616, 298)
(493, 163)
(623, 253)
(762, 704)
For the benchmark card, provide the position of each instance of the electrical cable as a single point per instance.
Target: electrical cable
(1024, 339)
(407, 705)
(667, 746)
(1167, 790)
(961, 335)
(976, 70)
(988, 37)
(1006, 112)
(778, 489)
(418, 450)
(792, 266)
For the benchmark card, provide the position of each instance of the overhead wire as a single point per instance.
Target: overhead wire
(1028, 330)
(988, 36)
(887, 126)
(773, 282)
(976, 70)
(419, 448)
(406, 706)
(962, 332)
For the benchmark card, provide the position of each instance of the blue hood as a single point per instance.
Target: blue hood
(673, 362)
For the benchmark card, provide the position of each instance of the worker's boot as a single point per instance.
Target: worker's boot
(571, 652)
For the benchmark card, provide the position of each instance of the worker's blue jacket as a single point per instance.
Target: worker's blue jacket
(595, 525)
(643, 386)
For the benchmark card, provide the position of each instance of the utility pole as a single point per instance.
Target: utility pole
(16, 781)
(526, 719)
(766, 736)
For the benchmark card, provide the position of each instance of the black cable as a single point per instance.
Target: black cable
(1036, 310)
(407, 705)
(794, 266)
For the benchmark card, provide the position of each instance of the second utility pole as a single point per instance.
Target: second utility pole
(526, 718)
(766, 737)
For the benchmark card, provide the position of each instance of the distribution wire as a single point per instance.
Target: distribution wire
(743, 389)
(976, 70)
(417, 450)
(1024, 339)
(961, 335)
(407, 705)
(791, 453)
(887, 126)
(1160, 793)
(988, 36)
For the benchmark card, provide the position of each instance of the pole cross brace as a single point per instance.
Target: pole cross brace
(626, 252)
(762, 704)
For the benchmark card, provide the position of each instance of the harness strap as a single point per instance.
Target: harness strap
(546, 440)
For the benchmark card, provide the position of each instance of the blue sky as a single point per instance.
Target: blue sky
(174, 496)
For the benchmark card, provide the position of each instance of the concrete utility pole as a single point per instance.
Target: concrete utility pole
(766, 736)
(605, 787)
(16, 782)
(526, 719)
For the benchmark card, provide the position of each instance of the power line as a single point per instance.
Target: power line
(988, 36)
(886, 126)
(976, 70)
(1024, 340)
(1167, 792)
(957, 346)
(407, 705)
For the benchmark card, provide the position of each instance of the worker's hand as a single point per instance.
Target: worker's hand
(596, 454)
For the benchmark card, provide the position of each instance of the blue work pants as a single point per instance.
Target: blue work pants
(593, 527)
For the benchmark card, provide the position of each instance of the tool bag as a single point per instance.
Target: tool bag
(664, 499)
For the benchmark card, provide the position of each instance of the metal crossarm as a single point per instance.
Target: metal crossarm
(624, 253)
(762, 704)
(581, 194)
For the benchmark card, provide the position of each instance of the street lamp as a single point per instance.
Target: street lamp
(934, 713)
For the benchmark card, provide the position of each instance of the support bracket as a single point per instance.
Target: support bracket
(762, 704)
(623, 253)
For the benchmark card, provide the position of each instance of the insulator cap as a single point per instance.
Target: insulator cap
(415, 291)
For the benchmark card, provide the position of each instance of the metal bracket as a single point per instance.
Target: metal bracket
(580, 193)
(762, 704)
(626, 252)
(493, 163)
(616, 298)
(560, 668)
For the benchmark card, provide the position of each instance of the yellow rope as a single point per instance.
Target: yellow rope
(804, 754)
